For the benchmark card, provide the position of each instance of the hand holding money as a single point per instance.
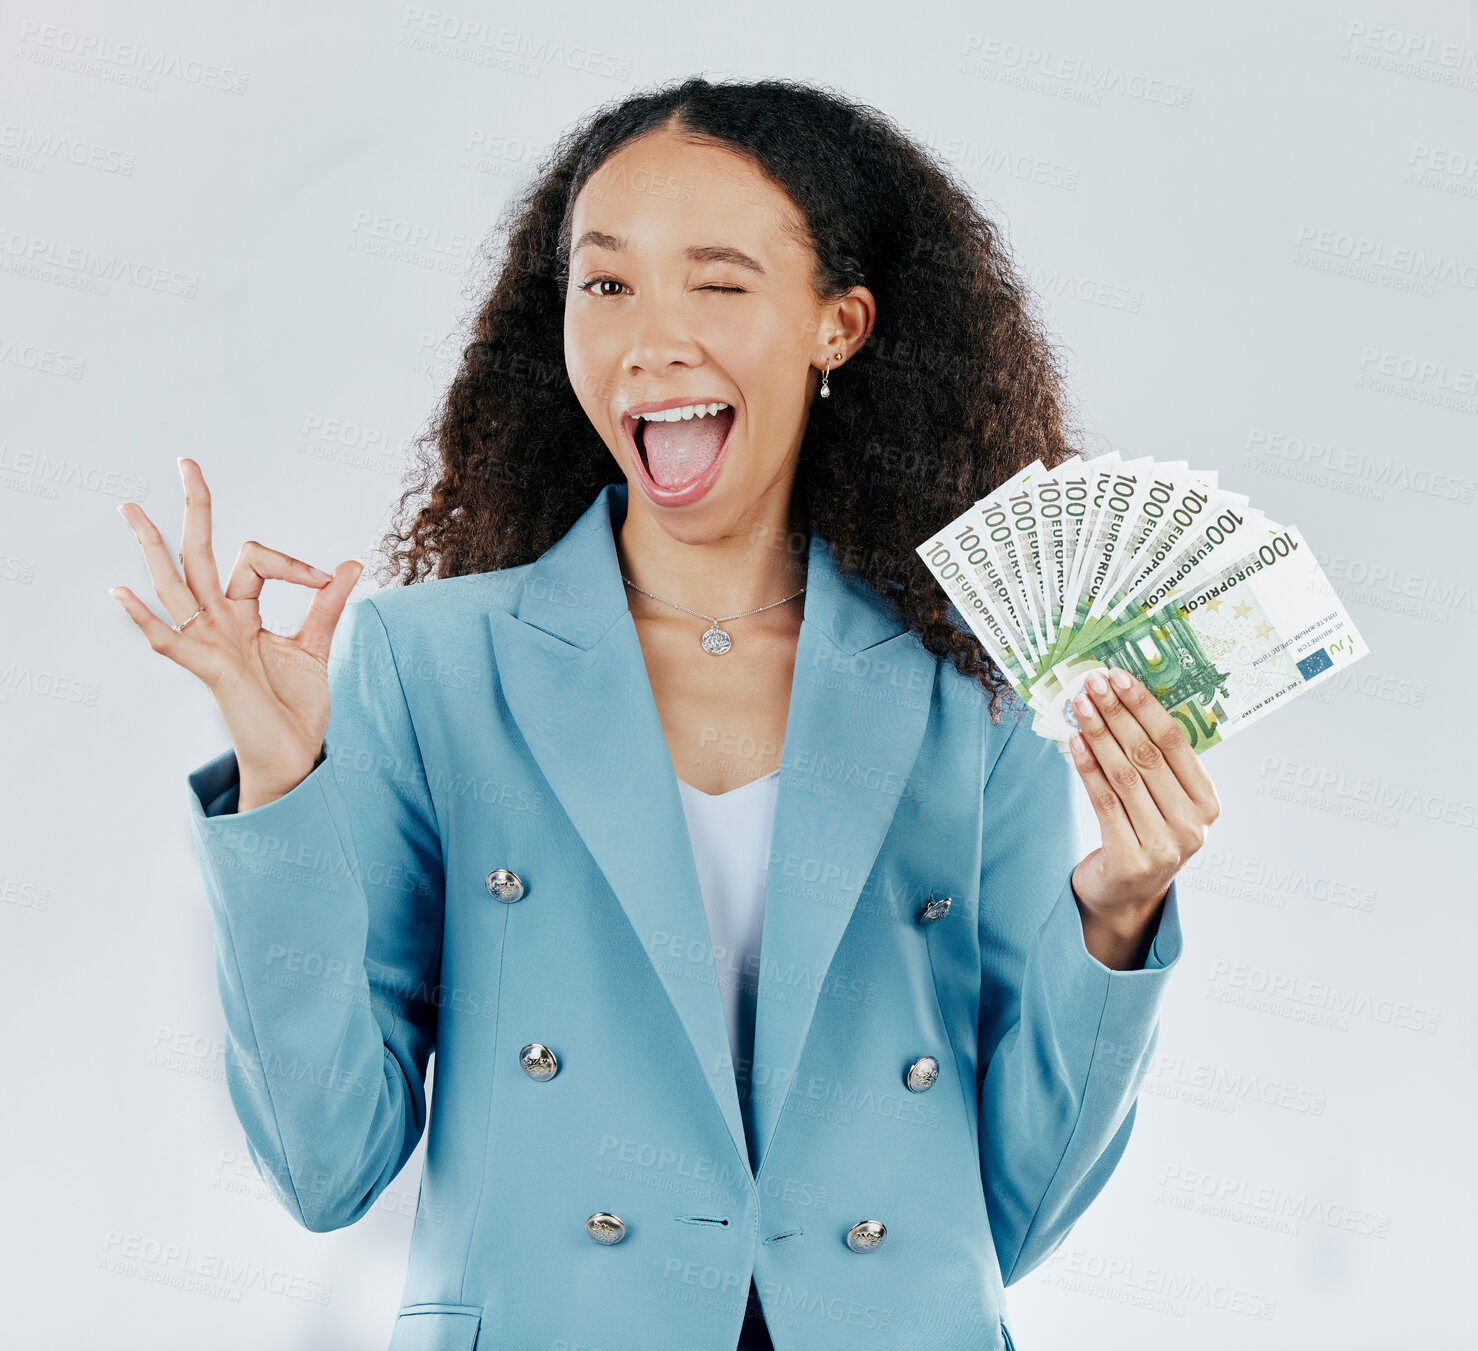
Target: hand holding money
(1152, 796)
(1149, 568)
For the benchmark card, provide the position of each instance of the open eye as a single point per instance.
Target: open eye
(598, 281)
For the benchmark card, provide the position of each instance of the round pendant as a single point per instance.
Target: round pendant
(716, 642)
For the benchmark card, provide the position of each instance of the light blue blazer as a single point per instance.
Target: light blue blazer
(506, 721)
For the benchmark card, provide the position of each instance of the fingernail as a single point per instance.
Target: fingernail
(1085, 708)
(1097, 683)
(1121, 679)
(113, 591)
(321, 573)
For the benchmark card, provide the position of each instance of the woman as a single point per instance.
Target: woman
(670, 807)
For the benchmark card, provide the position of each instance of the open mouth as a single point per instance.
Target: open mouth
(680, 459)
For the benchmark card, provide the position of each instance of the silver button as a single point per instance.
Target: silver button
(865, 1235)
(922, 1074)
(937, 909)
(604, 1228)
(504, 885)
(538, 1061)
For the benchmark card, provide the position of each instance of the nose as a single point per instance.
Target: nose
(659, 338)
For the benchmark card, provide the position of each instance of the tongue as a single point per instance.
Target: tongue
(677, 452)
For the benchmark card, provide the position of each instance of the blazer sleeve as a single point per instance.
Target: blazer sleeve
(327, 911)
(1065, 1040)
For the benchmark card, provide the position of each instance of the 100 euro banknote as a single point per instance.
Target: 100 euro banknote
(1220, 636)
(1221, 655)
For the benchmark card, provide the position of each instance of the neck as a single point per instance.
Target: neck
(758, 562)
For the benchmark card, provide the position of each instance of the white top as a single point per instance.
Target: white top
(730, 834)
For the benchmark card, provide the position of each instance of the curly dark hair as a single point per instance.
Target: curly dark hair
(955, 390)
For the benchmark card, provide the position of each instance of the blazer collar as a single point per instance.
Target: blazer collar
(571, 668)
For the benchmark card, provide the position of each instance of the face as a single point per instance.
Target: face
(686, 288)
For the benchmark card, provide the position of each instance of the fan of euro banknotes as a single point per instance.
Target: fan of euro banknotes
(1151, 567)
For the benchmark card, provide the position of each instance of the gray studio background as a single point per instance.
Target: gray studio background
(244, 234)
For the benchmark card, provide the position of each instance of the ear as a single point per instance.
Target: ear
(845, 325)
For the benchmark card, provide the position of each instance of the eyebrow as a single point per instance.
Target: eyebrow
(698, 253)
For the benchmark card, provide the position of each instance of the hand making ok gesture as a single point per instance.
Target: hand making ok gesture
(272, 690)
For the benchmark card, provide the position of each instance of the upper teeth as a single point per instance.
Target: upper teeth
(686, 411)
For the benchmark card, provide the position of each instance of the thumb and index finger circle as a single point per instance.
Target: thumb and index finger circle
(258, 564)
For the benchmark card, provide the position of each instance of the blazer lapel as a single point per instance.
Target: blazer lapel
(859, 704)
(571, 667)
